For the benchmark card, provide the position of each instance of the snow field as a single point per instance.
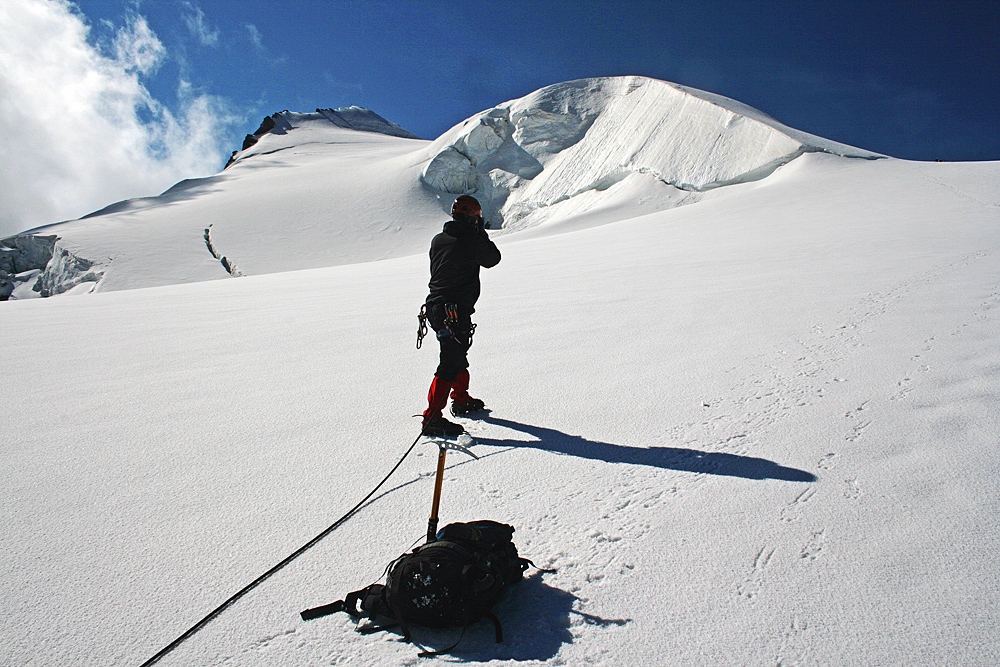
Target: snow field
(759, 429)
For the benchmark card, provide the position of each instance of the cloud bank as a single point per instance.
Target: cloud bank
(80, 130)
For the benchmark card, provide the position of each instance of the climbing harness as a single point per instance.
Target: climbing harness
(452, 326)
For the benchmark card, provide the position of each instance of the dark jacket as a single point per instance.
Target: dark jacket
(456, 255)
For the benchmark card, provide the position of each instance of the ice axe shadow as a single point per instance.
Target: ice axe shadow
(668, 458)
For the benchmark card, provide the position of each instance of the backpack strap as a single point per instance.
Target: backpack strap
(525, 563)
(370, 598)
(497, 628)
(392, 602)
(432, 654)
(324, 610)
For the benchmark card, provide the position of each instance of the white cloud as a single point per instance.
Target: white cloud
(194, 19)
(255, 37)
(137, 47)
(258, 42)
(80, 129)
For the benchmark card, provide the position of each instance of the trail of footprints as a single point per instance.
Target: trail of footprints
(797, 376)
(750, 586)
(792, 512)
(787, 379)
(794, 644)
(802, 373)
(814, 546)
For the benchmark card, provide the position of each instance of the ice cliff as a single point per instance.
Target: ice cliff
(37, 266)
(589, 135)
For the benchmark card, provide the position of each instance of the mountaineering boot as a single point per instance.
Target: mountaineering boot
(435, 424)
(467, 406)
(439, 427)
(461, 402)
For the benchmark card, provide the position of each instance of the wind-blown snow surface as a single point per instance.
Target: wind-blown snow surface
(760, 429)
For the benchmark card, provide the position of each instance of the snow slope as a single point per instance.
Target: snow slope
(758, 429)
(347, 186)
(311, 194)
(636, 134)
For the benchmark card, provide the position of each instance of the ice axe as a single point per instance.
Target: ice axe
(461, 445)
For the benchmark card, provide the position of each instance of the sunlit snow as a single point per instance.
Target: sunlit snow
(749, 422)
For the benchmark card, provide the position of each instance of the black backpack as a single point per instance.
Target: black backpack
(452, 581)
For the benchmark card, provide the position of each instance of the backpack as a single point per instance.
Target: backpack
(452, 581)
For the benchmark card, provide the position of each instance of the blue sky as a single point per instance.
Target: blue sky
(917, 80)
(113, 99)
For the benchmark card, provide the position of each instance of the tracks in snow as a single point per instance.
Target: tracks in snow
(770, 389)
(806, 380)
(598, 535)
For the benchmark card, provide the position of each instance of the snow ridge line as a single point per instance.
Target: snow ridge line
(545, 139)
(618, 175)
(758, 174)
(228, 265)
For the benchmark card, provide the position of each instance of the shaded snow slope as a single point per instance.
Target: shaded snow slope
(347, 186)
(760, 430)
(589, 135)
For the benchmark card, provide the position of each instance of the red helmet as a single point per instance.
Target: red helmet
(466, 206)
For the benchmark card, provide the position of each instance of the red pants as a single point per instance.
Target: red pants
(440, 389)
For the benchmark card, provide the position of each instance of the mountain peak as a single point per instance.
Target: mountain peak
(354, 118)
(588, 135)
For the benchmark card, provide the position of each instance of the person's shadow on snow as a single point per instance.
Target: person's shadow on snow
(669, 458)
(537, 619)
